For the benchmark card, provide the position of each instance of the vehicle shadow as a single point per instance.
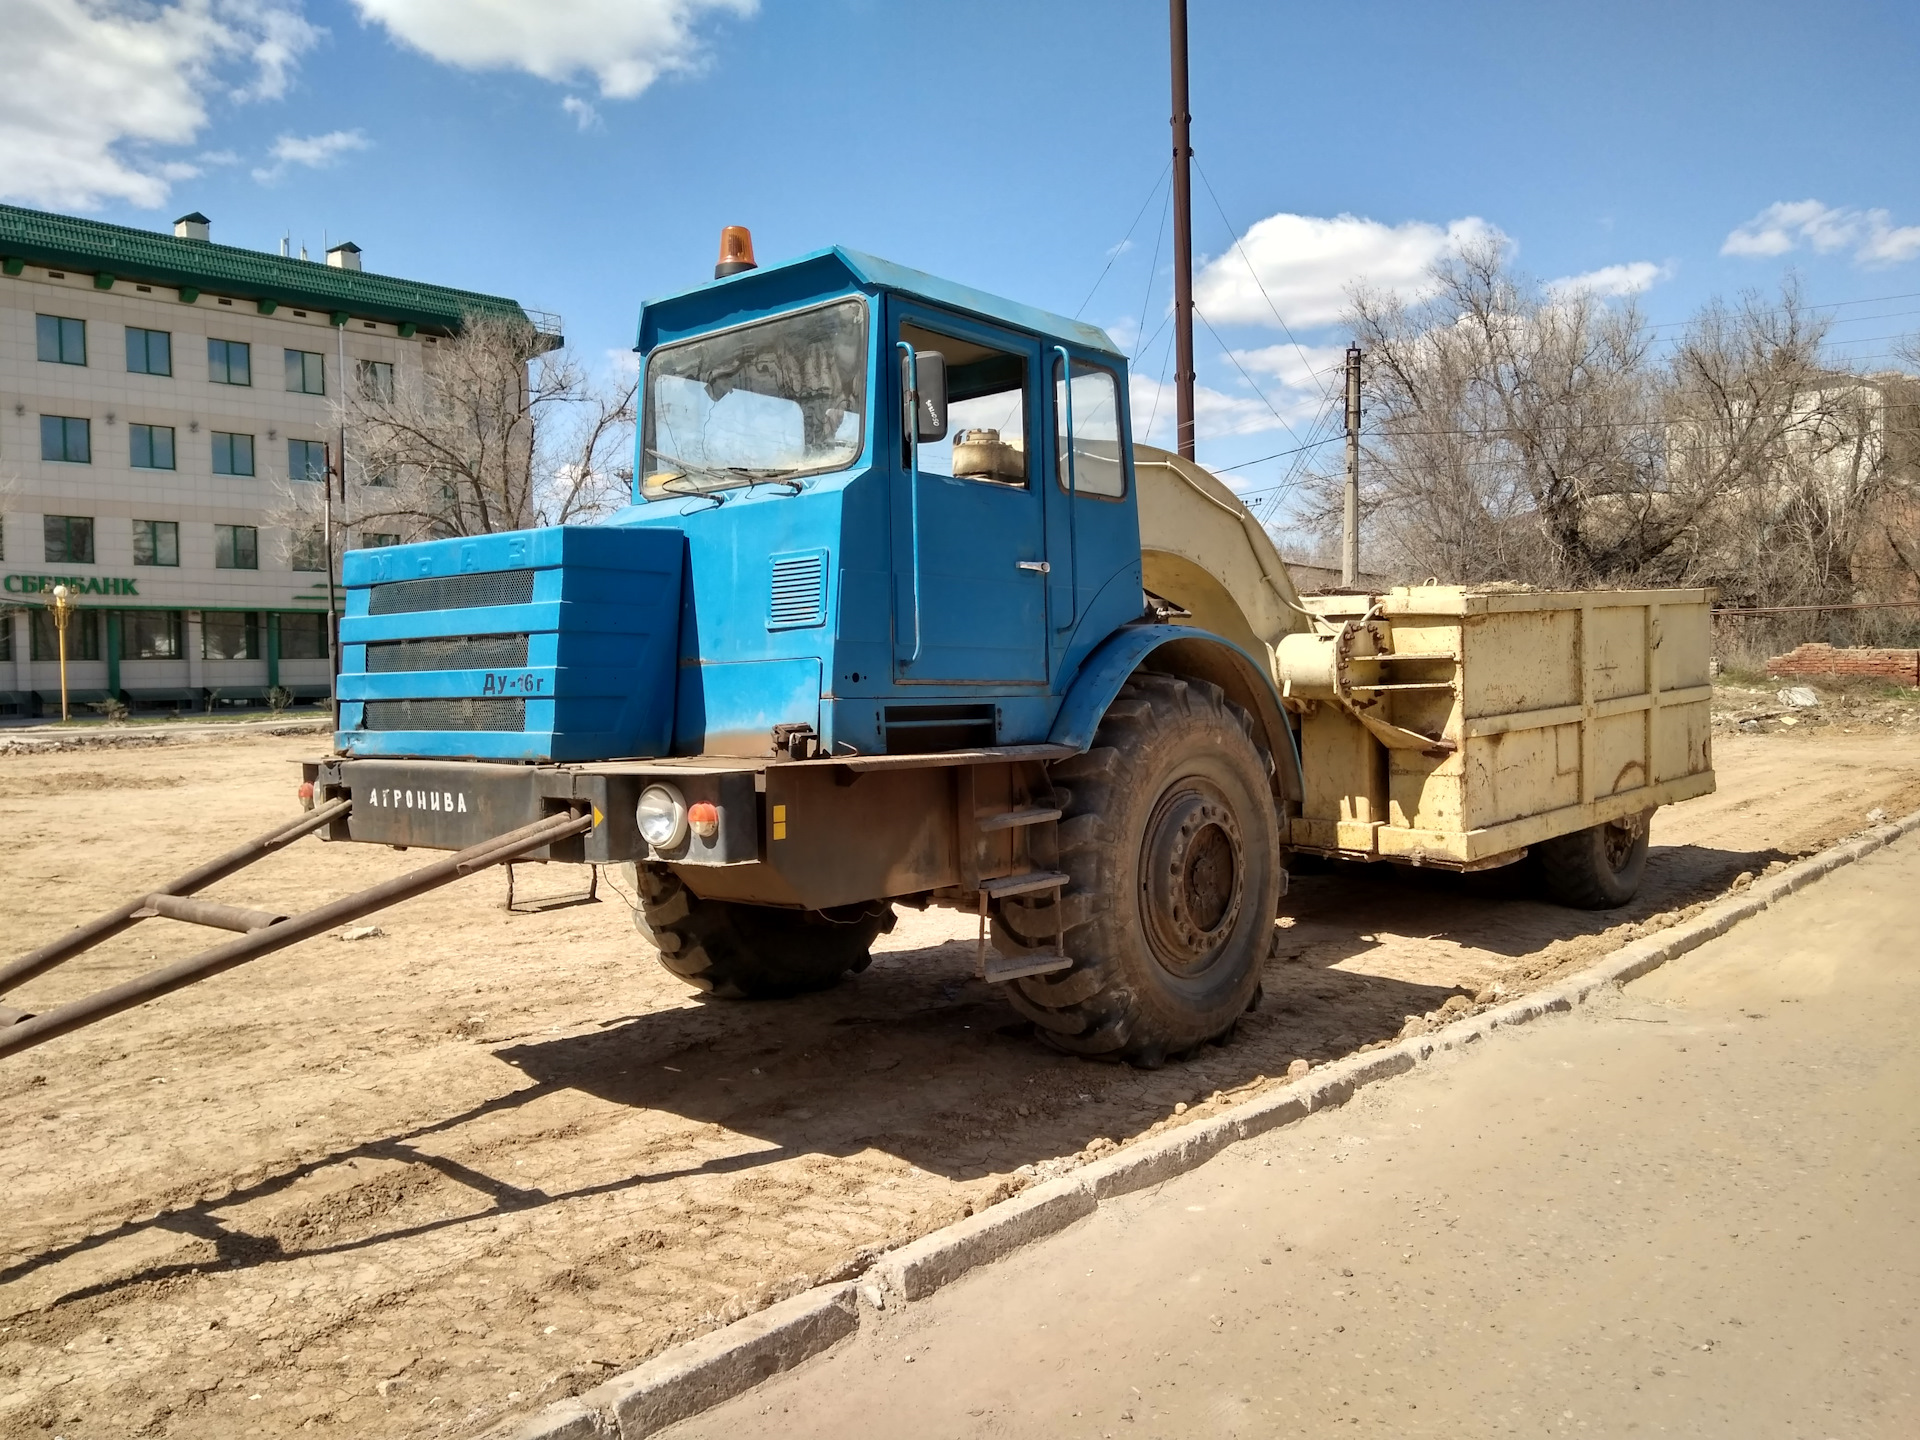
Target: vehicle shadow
(919, 1059)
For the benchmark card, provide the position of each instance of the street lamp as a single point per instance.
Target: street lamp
(62, 608)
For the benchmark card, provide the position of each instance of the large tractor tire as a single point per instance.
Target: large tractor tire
(1598, 868)
(1170, 834)
(734, 951)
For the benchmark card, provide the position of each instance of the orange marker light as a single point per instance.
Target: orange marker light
(736, 252)
(703, 818)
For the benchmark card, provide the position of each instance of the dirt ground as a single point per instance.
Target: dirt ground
(410, 1184)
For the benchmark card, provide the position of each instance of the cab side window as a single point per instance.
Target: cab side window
(986, 411)
(1097, 463)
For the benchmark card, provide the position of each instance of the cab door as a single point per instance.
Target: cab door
(970, 561)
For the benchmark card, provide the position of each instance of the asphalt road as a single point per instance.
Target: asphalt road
(1689, 1211)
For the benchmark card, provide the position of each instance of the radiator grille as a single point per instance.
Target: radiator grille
(469, 652)
(452, 592)
(446, 715)
(799, 591)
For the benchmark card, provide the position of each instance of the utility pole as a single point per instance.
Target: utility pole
(1350, 526)
(1182, 234)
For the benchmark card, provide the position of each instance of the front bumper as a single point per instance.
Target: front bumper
(450, 805)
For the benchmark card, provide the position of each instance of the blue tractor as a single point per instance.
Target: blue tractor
(873, 632)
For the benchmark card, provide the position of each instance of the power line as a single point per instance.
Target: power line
(1119, 249)
(1248, 262)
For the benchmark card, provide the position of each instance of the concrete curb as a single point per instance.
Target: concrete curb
(699, 1374)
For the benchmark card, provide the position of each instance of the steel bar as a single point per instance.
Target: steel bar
(210, 913)
(1182, 235)
(155, 983)
(114, 921)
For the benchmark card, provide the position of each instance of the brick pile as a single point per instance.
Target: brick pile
(1821, 661)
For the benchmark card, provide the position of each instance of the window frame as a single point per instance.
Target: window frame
(231, 534)
(375, 379)
(66, 457)
(146, 351)
(253, 463)
(245, 348)
(176, 635)
(153, 530)
(173, 451)
(83, 634)
(304, 473)
(67, 525)
(942, 324)
(319, 627)
(60, 334)
(319, 363)
(252, 628)
(1059, 427)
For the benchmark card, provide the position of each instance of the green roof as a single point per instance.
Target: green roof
(65, 242)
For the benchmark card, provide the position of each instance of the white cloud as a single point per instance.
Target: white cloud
(1307, 265)
(1786, 225)
(88, 88)
(316, 152)
(1634, 278)
(625, 45)
(584, 114)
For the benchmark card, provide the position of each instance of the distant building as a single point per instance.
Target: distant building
(160, 397)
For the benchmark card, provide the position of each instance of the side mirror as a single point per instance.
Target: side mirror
(930, 400)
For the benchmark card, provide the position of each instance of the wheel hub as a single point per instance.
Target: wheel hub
(1192, 881)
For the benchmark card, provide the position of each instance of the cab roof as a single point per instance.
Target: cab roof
(835, 270)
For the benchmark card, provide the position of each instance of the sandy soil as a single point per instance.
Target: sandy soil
(409, 1184)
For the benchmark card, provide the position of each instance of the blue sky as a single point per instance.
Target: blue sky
(581, 155)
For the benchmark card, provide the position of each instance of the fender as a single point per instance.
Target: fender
(1196, 654)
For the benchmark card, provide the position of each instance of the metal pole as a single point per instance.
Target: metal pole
(1182, 234)
(1350, 522)
(58, 1021)
(333, 612)
(20, 971)
(62, 612)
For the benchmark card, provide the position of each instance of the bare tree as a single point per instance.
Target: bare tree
(1523, 433)
(492, 432)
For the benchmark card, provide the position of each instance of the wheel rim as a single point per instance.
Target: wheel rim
(1193, 877)
(1618, 841)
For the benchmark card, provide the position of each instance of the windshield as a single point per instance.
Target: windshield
(769, 401)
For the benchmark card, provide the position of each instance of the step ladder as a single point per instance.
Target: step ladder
(998, 969)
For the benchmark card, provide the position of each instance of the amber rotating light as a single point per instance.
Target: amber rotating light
(736, 252)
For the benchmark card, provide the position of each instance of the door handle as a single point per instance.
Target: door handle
(1039, 567)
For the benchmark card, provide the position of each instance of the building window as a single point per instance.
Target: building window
(306, 372)
(151, 446)
(151, 635)
(230, 635)
(377, 539)
(229, 362)
(303, 635)
(232, 454)
(376, 380)
(236, 547)
(62, 341)
(382, 480)
(6, 637)
(156, 542)
(149, 352)
(67, 438)
(306, 460)
(83, 635)
(308, 549)
(69, 539)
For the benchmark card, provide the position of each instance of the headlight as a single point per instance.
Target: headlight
(662, 815)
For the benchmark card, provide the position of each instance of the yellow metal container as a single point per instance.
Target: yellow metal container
(1457, 725)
